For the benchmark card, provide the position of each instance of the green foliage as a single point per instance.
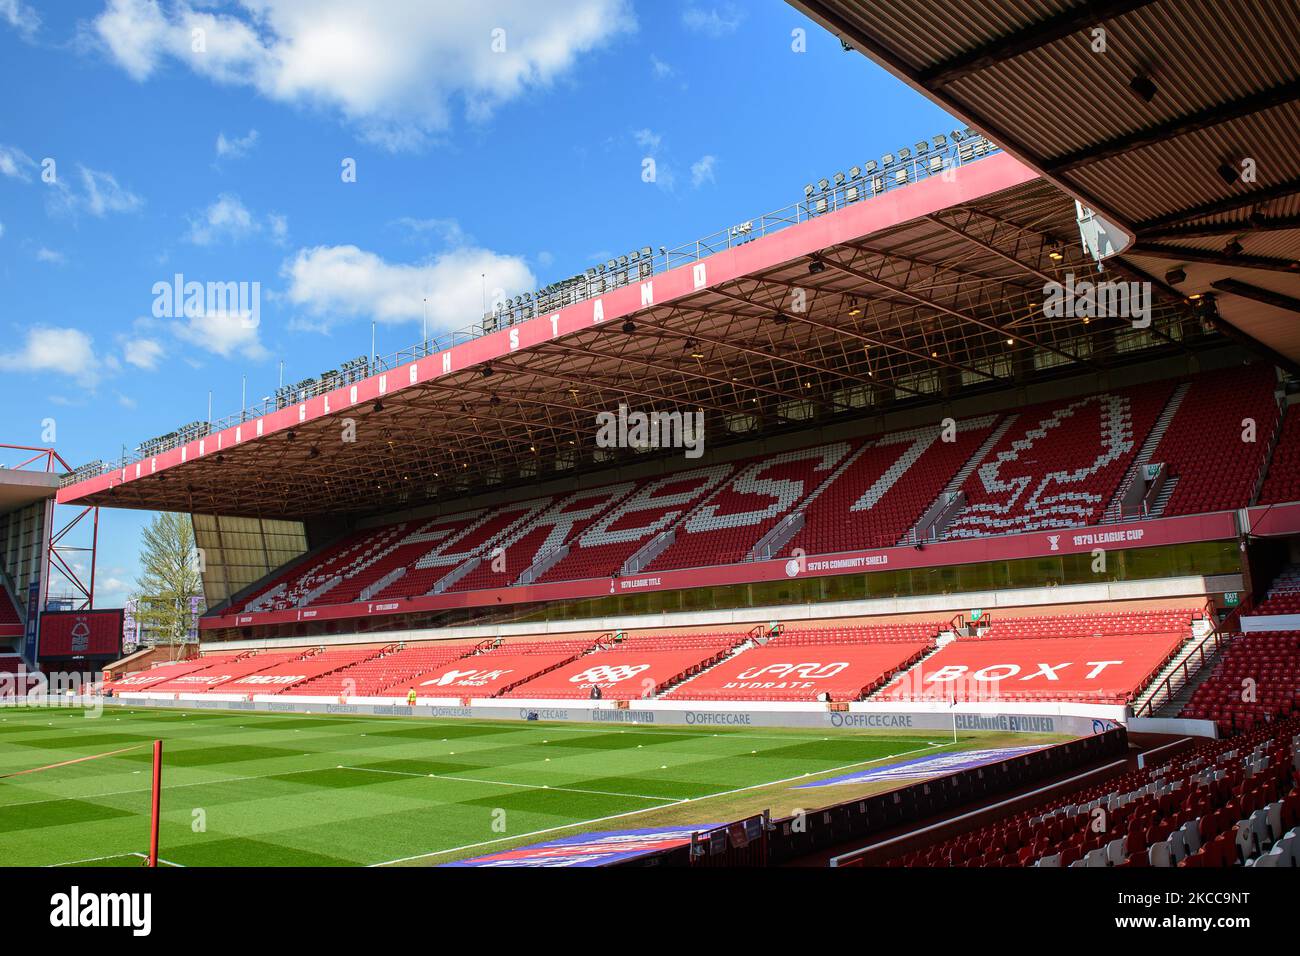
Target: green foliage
(170, 576)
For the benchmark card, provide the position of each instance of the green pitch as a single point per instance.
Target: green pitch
(245, 789)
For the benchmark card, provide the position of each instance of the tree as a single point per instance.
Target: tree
(170, 578)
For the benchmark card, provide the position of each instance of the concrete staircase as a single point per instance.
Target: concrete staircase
(1175, 704)
(1158, 692)
(954, 484)
(1114, 510)
(1162, 499)
(742, 646)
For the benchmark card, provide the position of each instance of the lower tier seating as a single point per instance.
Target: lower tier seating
(1256, 680)
(1099, 670)
(1221, 803)
(1171, 621)
(836, 672)
(619, 674)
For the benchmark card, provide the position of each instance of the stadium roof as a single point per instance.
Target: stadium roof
(28, 474)
(910, 297)
(1151, 130)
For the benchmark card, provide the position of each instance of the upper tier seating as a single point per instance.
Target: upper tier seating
(801, 672)
(602, 549)
(1257, 679)
(1099, 670)
(514, 553)
(765, 489)
(1059, 465)
(1220, 803)
(1283, 481)
(452, 551)
(1215, 469)
(890, 483)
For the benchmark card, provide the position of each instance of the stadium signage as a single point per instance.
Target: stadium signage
(811, 671)
(542, 714)
(854, 721)
(1019, 723)
(720, 717)
(468, 678)
(600, 715)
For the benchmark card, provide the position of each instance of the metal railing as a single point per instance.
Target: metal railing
(1193, 659)
(844, 192)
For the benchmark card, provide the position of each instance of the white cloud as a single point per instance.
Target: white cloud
(14, 163)
(702, 171)
(236, 148)
(100, 192)
(393, 69)
(647, 139)
(142, 353)
(333, 282)
(447, 231)
(20, 16)
(63, 351)
(714, 21)
(53, 257)
(279, 226)
(2, 230)
(103, 194)
(223, 333)
(125, 400)
(660, 69)
(228, 219)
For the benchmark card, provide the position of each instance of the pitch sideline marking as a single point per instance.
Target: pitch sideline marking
(633, 813)
(526, 786)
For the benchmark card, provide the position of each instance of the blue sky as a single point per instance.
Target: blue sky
(506, 138)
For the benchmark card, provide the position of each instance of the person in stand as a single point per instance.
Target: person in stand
(595, 692)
